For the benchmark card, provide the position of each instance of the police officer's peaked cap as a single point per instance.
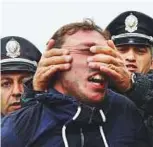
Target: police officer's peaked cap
(18, 54)
(132, 27)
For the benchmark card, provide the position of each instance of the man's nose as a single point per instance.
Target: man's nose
(17, 90)
(130, 56)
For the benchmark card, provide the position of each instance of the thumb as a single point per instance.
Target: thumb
(50, 44)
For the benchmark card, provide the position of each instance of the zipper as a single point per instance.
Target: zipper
(82, 137)
(92, 112)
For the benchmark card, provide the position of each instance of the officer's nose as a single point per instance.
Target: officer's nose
(17, 90)
(130, 56)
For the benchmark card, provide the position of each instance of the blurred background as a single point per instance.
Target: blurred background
(37, 20)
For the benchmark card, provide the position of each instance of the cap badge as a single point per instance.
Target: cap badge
(13, 48)
(131, 23)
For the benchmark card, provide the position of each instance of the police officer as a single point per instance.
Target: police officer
(132, 33)
(19, 58)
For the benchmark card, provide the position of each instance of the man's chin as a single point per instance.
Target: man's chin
(14, 108)
(96, 98)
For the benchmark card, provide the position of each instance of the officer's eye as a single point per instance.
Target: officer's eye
(142, 49)
(25, 79)
(122, 49)
(6, 84)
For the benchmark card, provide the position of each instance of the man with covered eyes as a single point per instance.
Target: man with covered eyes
(135, 46)
(19, 59)
(78, 109)
(132, 34)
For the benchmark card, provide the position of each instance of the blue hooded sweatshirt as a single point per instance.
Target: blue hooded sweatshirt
(57, 120)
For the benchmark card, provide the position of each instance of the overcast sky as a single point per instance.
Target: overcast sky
(38, 20)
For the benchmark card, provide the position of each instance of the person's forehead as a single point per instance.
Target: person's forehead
(85, 38)
(12, 75)
(134, 46)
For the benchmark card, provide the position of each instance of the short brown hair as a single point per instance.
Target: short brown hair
(69, 29)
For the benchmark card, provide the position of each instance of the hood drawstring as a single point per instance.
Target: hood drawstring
(64, 127)
(75, 117)
(101, 128)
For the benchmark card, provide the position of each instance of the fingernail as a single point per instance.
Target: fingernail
(89, 59)
(68, 58)
(93, 49)
(67, 66)
(66, 52)
(91, 64)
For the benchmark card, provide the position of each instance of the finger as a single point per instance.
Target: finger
(111, 44)
(122, 70)
(48, 72)
(105, 59)
(50, 44)
(105, 69)
(96, 65)
(54, 68)
(104, 50)
(55, 60)
(56, 52)
(44, 72)
(119, 76)
(111, 73)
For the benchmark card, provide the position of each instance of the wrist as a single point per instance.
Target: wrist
(39, 88)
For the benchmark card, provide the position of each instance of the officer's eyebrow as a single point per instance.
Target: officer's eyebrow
(5, 78)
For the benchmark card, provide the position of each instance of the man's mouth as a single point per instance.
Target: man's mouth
(15, 104)
(131, 67)
(97, 78)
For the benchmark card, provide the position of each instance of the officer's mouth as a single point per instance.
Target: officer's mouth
(15, 105)
(131, 67)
